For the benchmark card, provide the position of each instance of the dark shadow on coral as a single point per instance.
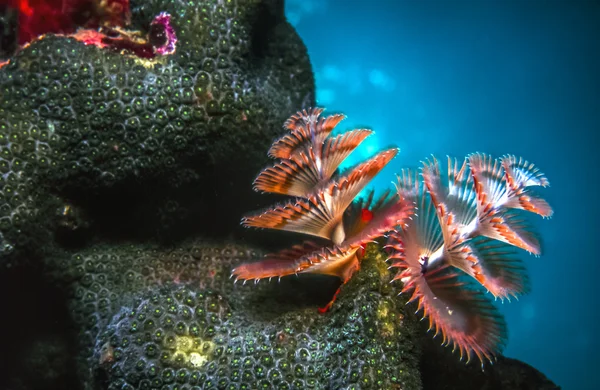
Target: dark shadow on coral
(151, 210)
(38, 346)
(267, 18)
(146, 211)
(290, 294)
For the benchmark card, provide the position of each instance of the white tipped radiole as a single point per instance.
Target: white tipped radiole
(464, 234)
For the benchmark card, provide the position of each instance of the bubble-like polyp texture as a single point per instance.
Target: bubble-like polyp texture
(172, 319)
(102, 279)
(25, 151)
(125, 138)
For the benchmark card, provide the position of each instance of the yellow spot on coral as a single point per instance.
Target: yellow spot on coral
(374, 252)
(386, 316)
(383, 310)
(194, 351)
(197, 360)
(387, 329)
(148, 63)
(184, 343)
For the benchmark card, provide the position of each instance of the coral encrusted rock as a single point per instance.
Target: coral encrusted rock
(106, 142)
(172, 319)
(138, 316)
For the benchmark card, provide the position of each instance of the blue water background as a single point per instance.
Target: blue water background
(452, 78)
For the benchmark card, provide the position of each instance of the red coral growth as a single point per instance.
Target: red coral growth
(161, 39)
(38, 17)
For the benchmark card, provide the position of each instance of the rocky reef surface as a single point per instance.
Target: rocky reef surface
(124, 145)
(112, 167)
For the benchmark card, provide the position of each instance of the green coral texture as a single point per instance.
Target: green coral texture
(179, 336)
(146, 145)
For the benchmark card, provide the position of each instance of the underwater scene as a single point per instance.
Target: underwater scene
(298, 194)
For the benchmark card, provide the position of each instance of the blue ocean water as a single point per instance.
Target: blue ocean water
(456, 77)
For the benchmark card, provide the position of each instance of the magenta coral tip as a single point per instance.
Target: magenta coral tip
(162, 34)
